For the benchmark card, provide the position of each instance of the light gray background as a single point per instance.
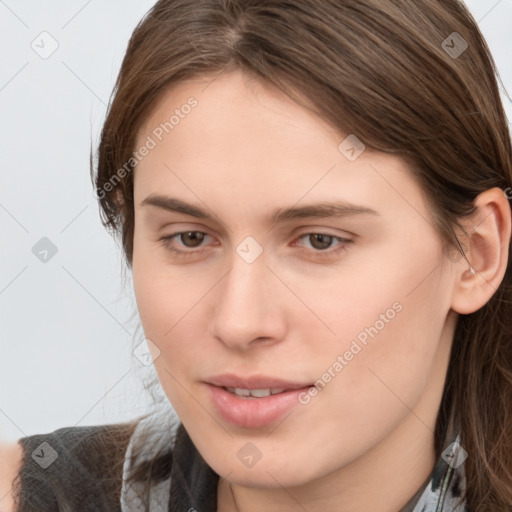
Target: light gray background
(66, 333)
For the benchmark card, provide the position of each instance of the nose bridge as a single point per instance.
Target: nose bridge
(248, 271)
(244, 299)
(243, 286)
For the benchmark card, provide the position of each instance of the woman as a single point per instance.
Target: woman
(313, 198)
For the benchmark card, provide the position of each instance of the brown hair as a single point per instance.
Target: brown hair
(379, 69)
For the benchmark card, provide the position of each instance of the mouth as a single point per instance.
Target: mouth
(253, 402)
(255, 393)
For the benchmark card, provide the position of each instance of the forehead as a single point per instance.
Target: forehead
(235, 138)
(229, 103)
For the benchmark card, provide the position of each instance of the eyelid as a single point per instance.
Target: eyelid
(324, 231)
(308, 230)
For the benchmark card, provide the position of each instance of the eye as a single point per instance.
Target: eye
(320, 243)
(193, 237)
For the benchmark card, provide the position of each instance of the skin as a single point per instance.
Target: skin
(11, 458)
(245, 150)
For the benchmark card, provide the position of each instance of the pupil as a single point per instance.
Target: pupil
(319, 236)
(198, 237)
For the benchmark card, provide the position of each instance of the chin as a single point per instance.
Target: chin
(268, 472)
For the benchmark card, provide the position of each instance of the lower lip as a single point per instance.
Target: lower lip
(253, 412)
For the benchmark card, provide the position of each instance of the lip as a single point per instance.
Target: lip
(230, 380)
(253, 412)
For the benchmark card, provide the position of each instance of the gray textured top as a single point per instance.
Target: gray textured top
(67, 470)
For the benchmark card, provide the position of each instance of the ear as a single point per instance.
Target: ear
(488, 242)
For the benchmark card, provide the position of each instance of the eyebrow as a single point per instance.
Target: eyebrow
(319, 210)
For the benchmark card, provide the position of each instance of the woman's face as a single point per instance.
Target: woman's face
(275, 292)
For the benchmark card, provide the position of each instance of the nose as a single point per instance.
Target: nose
(249, 309)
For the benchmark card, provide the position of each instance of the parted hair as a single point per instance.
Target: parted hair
(382, 70)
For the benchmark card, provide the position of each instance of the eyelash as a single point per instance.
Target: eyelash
(326, 253)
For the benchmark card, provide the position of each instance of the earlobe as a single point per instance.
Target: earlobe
(480, 273)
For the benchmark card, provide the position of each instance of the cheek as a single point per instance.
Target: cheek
(159, 294)
(163, 305)
(164, 309)
(387, 315)
(171, 305)
(389, 344)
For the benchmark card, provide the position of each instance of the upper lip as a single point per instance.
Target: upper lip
(254, 382)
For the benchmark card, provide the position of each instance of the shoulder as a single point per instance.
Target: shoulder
(10, 461)
(71, 468)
